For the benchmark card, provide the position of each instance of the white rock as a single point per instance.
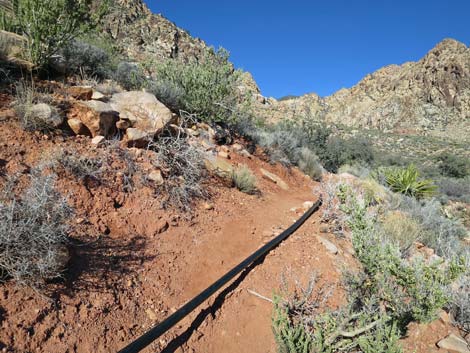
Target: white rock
(329, 245)
(454, 343)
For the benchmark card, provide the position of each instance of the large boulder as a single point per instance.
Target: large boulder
(142, 111)
(13, 49)
(98, 117)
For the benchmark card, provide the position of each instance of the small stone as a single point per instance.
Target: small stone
(246, 154)
(329, 245)
(208, 206)
(307, 205)
(98, 140)
(156, 177)
(324, 229)
(237, 147)
(151, 314)
(275, 179)
(137, 138)
(83, 93)
(123, 124)
(454, 343)
(224, 154)
(80, 220)
(98, 96)
(445, 317)
(78, 127)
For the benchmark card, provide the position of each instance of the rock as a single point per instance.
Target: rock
(329, 245)
(151, 315)
(156, 177)
(137, 138)
(223, 154)
(123, 124)
(78, 127)
(307, 205)
(46, 114)
(245, 153)
(98, 96)
(142, 110)
(13, 49)
(98, 140)
(219, 166)
(208, 206)
(83, 93)
(98, 117)
(237, 147)
(275, 179)
(454, 343)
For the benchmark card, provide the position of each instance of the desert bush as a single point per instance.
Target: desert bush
(440, 233)
(407, 181)
(244, 180)
(460, 301)
(184, 171)
(453, 166)
(300, 325)
(130, 76)
(86, 59)
(33, 231)
(310, 164)
(208, 85)
(26, 97)
(79, 166)
(167, 92)
(399, 228)
(339, 151)
(419, 289)
(50, 26)
(356, 169)
(454, 189)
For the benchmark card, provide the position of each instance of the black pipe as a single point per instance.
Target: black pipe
(158, 330)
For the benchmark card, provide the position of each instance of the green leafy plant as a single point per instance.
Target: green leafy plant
(407, 181)
(207, 86)
(453, 166)
(50, 25)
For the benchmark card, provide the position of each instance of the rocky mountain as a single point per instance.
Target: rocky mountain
(143, 35)
(433, 93)
(430, 94)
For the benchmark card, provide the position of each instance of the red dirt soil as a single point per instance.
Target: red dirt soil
(120, 284)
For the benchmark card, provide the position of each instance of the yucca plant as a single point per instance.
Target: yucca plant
(406, 181)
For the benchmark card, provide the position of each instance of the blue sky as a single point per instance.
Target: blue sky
(297, 47)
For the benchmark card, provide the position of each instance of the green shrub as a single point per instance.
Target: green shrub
(453, 166)
(83, 58)
(455, 189)
(33, 231)
(50, 25)
(130, 76)
(310, 164)
(208, 85)
(339, 151)
(244, 180)
(407, 182)
(169, 93)
(401, 229)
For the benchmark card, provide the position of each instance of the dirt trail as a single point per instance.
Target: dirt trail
(147, 262)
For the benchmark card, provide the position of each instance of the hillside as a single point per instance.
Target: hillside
(431, 94)
(137, 167)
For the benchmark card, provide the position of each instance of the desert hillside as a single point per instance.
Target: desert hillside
(138, 166)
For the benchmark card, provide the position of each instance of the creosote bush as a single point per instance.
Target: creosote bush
(130, 76)
(453, 166)
(86, 59)
(33, 231)
(205, 87)
(244, 180)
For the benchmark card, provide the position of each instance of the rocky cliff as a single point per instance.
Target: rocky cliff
(433, 93)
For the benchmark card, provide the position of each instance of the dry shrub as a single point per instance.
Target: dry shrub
(401, 229)
(244, 180)
(33, 231)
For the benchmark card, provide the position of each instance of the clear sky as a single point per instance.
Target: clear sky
(297, 47)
